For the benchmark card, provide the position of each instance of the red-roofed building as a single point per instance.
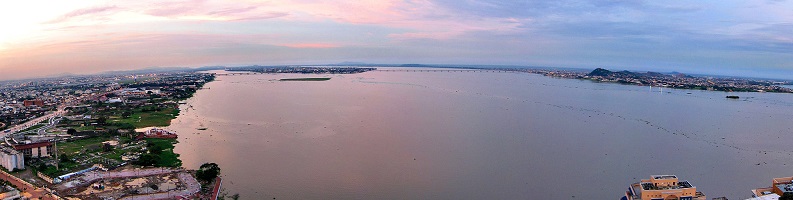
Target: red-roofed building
(38, 103)
(157, 133)
(35, 150)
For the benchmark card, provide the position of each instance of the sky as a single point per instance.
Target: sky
(724, 37)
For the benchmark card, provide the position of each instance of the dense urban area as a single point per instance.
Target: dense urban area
(94, 137)
(101, 136)
(672, 80)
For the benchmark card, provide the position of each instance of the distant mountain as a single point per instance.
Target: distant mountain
(600, 72)
(145, 70)
(654, 74)
(624, 73)
(62, 75)
(162, 69)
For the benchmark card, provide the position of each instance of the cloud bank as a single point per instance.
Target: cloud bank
(729, 37)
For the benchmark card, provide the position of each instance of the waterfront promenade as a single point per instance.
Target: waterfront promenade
(192, 186)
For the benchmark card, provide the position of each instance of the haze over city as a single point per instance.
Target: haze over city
(747, 38)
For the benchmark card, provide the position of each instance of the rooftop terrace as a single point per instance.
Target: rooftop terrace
(664, 177)
(679, 185)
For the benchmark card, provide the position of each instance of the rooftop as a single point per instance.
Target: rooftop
(664, 177)
(783, 180)
(30, 146)
(679, 185)
(762, 191)
(785, 187)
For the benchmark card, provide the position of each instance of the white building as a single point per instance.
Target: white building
(11, 159)
(771, 196)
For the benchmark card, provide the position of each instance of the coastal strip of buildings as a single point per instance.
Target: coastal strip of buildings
(663, 187)
(669, 187)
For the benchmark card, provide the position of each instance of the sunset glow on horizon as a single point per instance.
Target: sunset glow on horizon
(42, 38)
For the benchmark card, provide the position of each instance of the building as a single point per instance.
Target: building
(35, 150)
(764, 193)
(771, 196)
(157, 133)
(11, 159)
(9, 193)
(779, 186)
(663, 187)
(29, 103)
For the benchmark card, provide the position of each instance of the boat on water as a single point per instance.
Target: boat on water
(733, 97)
(202, 128)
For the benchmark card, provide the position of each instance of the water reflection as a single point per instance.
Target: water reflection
(432, 135)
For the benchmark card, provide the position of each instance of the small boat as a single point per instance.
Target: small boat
(733, 97)
(202, 128)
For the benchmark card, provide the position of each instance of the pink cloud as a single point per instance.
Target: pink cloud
(270, 15)
(173, 9)
(207, 10)
(82, 12)
(232, 10)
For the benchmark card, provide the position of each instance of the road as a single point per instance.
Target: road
(60, 112)
(13, 130)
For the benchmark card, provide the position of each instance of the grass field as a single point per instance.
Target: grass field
(74, 147)
(152, 118)
(85, 128)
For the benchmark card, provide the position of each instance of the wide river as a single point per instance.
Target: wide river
(475, 135)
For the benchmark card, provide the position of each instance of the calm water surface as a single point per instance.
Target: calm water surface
(463, 135)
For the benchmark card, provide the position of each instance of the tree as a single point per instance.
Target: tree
(148, 159)
(154, 148)
(101, 120)
(65, 158)
(126, 114)
(71, 131)
(208, 172)
(786, 196)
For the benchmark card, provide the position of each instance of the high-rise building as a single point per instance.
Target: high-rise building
(663, 187)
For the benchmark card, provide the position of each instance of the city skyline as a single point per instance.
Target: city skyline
(748, 38)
